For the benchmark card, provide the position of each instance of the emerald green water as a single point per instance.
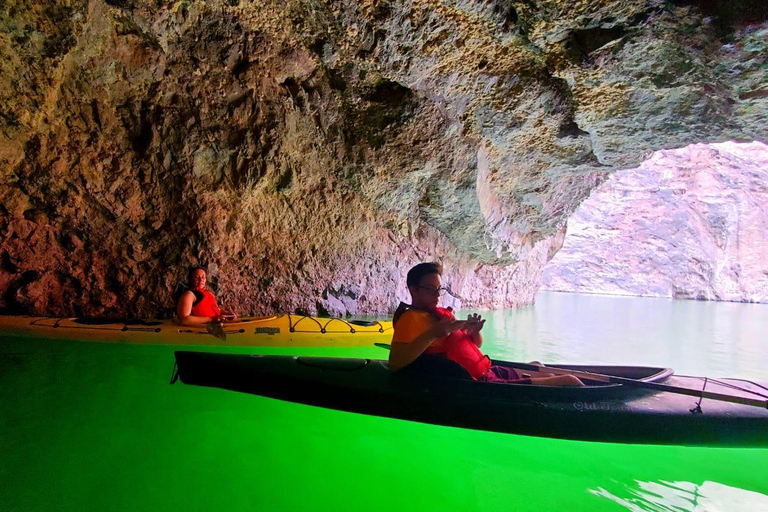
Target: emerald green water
(91, 426)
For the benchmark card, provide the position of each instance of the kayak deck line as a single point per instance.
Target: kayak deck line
(274, 331)
(655, 386)
(324, 326)
(600, 411)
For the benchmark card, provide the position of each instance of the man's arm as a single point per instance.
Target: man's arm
(403, 354)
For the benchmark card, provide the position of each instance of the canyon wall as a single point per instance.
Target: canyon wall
(689, 223)
(309, 152)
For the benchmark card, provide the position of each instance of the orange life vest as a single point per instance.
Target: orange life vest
(459, 348)
(207, 305)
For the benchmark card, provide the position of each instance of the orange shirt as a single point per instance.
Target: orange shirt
(458, 347)
(411, 325)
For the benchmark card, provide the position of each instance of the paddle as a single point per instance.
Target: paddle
(216, 330)
(632, 382)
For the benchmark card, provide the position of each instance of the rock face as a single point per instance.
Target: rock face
(309, 152)
(688, 223)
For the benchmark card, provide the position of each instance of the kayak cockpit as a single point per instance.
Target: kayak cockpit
(640, 373)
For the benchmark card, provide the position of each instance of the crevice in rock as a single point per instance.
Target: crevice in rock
(12, 304)
(582, 42)
(95, 113)
(137, 119)
(7, 264)
(284, 181)
(754, 94)
(113, 283)
(59, 44)
(10, 118)
(506, 15)
(387, 92)
(336, 80)
(120, 4)
(569, 128)
(317, 46)
(390, 104)
(295, 92)
(728, 16)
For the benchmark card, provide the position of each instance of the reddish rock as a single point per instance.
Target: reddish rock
(688, 223)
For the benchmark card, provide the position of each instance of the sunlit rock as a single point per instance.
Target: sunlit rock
(688, 223)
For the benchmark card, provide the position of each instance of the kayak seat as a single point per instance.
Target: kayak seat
(433, 365)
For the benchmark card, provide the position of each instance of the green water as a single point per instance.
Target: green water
(718, 339)
(90, 426)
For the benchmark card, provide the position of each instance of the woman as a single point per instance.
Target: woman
(196, 305)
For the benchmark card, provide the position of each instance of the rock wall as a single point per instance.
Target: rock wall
(689, 223)
(309, 152)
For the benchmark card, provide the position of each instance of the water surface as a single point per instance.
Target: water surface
(717, 339)
(92, 426)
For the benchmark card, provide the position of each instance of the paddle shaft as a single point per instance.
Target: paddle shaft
(643, 384)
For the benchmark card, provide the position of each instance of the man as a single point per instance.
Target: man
(425, 335)
(196, 305)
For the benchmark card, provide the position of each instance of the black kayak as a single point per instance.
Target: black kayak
(599, 411)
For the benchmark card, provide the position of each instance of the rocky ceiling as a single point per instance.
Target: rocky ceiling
(309, 152)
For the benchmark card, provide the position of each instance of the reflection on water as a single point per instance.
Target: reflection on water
(684, 497)
(718, 339)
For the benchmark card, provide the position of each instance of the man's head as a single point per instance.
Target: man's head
(425, 285)
(196, 277)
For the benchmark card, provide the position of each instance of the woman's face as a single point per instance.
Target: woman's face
(197, 279)
(427, 293)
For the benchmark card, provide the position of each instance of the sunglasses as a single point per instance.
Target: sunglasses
(433, 290)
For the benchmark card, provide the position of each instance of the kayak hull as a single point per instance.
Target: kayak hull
(271, 331)
(608, 413)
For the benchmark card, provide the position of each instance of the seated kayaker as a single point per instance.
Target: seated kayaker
(425, 334)
(195, 305)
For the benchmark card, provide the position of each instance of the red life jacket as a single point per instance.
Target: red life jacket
(459, 348)
(207, 306)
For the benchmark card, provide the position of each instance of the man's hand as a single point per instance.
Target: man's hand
(474, 324)
(445, 327)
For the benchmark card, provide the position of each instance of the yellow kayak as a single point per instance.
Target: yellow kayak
(272, 331)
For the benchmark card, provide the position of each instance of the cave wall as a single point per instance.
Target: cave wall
(309, 152)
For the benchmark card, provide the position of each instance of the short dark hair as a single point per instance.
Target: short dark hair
(421, 270)
(193, 269)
